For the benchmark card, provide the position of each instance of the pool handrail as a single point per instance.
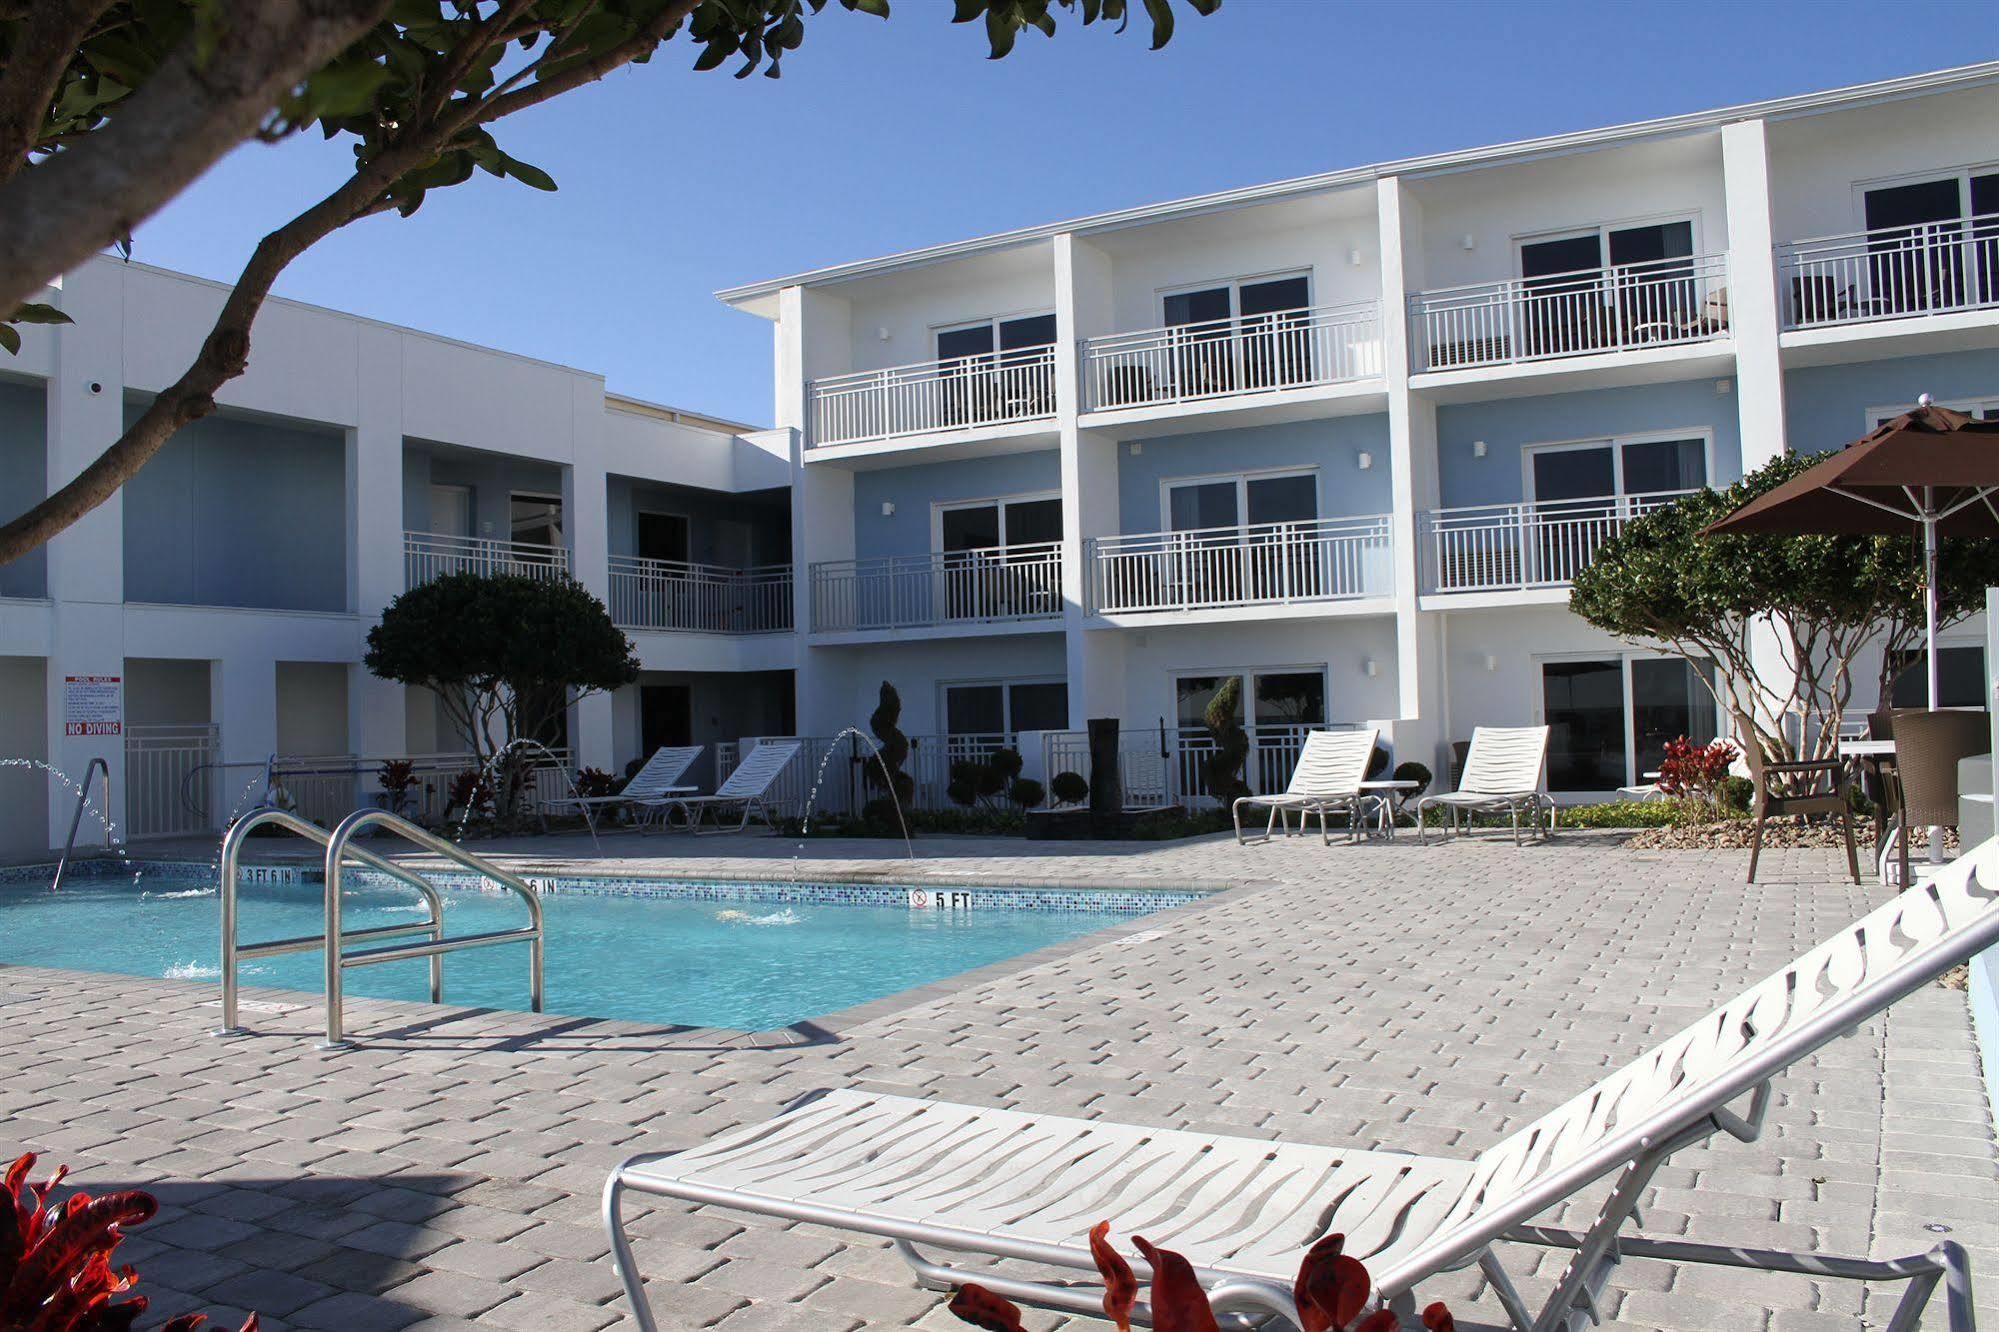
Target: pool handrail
(337, 961)
(96, 764)
(234, 951)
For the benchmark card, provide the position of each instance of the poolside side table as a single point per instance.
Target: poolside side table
(1386, 797)
(1873, 756)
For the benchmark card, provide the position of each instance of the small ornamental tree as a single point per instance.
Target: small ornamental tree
(1223, 767)
(882, 770)
(505, 654)
(1661, 581)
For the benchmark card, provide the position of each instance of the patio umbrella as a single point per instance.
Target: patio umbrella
(1932, 469)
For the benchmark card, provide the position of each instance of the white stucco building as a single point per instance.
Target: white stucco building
(1345, 437)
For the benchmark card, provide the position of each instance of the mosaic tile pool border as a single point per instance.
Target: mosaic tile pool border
(916, 896)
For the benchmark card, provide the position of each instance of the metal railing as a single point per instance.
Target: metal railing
(170, 777)
(1328, 559)
(388, 943)
(429, 555)
(323, 788)
(841, 765)
(1167, 765)
(95, 766)
(1890, 272)
(702, 598)
(918, 591)
(959, 392)
(1509, 547)
(1658, 303)
(1220, 358)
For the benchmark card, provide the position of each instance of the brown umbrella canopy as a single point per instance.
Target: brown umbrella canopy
(1876, 485)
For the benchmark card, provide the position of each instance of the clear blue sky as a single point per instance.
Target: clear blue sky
(886, 135)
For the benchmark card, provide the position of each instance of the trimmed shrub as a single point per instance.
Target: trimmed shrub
(1070, 788)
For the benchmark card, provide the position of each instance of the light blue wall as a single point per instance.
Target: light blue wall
(1508, 425)
(24, 476)
(914, 489)
(1826, 406)
(768, 514)
(1332, 446)
(493, 479)
(235, 512)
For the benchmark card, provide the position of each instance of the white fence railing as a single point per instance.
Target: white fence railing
(325, 788)
(995, 388)
(1890, 272)
(429, 555)
(703, 598)
(844, 772)
(172, 783)
(1224, 357)
(1505, 547)
(1658, 303)
(918, 591)
(1167, 765)
(1325, 560)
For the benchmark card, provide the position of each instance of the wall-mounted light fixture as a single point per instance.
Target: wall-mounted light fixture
(1470, 242)
(1491, 662)
(888, 508)
(1370, 668)
(1136, 447)
(1364, 459)
(882, 333)
(1478, 448)
(1721, 387)
(1353, 257)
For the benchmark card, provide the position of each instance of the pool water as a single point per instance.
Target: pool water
(744, 964)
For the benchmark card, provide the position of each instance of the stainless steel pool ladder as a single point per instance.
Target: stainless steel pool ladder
(97, 765)
(334, 940)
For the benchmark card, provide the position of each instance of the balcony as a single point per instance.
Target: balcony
(1228, 358)
(1661, 303)
(1331, 559)
(1890, 273)
(963, 392)
(1000, 585)
(699, 598)
(1518, 547)
(431, 555)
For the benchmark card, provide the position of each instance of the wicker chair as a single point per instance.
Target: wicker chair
(1815, 786)
(1927, 747)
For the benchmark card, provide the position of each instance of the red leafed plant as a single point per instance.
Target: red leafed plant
(1688, 771)
(55, 1258)
(1330, 1292)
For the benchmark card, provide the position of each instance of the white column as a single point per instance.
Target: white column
(1752, 292)
(243, 699)
(1083, 310)
(377, 715)
(1412, 453)
(86, 563)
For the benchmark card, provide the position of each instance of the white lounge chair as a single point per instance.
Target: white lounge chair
(1025, 1186)
(747, 789)
(1326, 780)
(1502, 776)
(660, 778)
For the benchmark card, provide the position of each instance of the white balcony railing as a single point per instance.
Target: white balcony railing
(1167, 765)
(701, 598)
(1326, 560)
(1228, 357)
(1890, 273)
(429, 555)
(996, 388)
(1660, 303)
(917, 591)
(1509, 547)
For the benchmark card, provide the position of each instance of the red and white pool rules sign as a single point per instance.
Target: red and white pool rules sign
(92, 705)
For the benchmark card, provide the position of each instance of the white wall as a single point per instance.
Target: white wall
(312, 707)
(848, 679)
(911, 305)
(25, 792)
(162, 691)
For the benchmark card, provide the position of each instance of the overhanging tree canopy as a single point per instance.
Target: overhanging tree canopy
(108, 108)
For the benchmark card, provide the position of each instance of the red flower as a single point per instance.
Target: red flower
(1178, 1302)
(978, 1306)
(1120, 1285)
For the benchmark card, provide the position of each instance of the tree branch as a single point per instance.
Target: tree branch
(34, 72)
(197, 107)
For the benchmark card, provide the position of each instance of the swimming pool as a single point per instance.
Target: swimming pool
(743, 955)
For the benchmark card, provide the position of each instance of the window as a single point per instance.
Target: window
(998, 710)
(1244, 538)
(1559, 474)
(996, 369)
(663, 536)
(999, 556)
(1609, 718)
(1600, 287)
(1933, 244)
(1249, 499)
(1960, 678)
(1243, 333)
(1284, 703)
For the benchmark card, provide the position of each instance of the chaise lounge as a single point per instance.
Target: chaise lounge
(658, 780)
(1326, 780)
(1502, 775)
(745, 792)
(1027, 1187)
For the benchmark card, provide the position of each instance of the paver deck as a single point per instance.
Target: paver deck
(446, 1174)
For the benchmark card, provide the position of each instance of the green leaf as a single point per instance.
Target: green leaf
(1162, 21)
(36, 313)
(10, 341)
(530, 175)
(1000, 32)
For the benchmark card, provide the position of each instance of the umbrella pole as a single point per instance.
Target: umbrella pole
(1930, 596)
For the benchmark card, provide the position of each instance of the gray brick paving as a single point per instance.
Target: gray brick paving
(445, 1175)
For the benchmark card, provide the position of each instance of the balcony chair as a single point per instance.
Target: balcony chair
(1923, 783)
(1501, 775)
(1813, 786)
(1326, 780)
(1024, 1187)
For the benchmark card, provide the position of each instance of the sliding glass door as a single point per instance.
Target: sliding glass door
(999, 557)
(1607, 286)
(996, 369)
(1609, 718)
(1285, 705)
(1580, 494)
(1241, 335)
